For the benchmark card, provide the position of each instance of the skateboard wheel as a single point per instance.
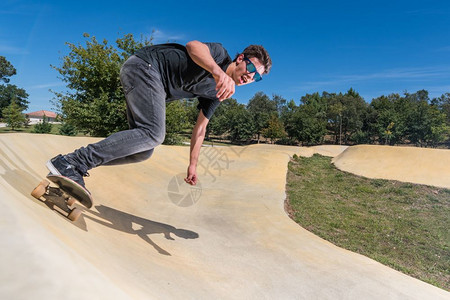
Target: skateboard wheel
(40, 190)
(74, 214)
(70, 201)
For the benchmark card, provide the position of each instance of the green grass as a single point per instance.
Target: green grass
(29, 129)
(9, 130)
(402, 225)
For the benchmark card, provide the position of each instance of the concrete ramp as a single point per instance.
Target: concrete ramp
(325, 150)
(409, 164)
(150, 236)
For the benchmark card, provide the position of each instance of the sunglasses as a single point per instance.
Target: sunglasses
(252, 69)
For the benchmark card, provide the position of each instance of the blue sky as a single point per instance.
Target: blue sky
(375, 47)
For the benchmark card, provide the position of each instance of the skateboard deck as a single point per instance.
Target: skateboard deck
(63, 196)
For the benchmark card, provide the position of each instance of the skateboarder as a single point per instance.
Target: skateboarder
(150, 78)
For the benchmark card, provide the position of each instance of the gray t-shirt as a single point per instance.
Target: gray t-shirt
(182, 77)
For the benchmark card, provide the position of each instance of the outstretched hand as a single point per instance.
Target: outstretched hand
(191, 177)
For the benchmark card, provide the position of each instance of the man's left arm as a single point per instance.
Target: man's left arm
(198, 135)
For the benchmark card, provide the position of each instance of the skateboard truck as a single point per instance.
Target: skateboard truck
(58, 198)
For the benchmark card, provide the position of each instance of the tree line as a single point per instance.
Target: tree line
(339, 119)
(94, 104)
(13, 100)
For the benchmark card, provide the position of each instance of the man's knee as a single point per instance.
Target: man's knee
(156, 137)
(160, 138)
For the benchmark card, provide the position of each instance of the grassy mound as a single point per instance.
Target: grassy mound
(404, 226)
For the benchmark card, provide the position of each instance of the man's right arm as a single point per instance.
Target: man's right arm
(200, 54)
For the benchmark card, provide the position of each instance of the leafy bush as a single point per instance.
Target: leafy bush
(173, 139)
(67, 129)
(44, 127)
(288, 141)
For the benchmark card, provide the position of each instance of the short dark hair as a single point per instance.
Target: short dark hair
(259, 53)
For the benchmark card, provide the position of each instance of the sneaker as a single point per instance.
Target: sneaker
(60, 166)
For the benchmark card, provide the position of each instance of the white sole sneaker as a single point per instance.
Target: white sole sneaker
(52, 168)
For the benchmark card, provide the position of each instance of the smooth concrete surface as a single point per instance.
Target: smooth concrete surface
(150, 236)
(409, 164)
(325, 150)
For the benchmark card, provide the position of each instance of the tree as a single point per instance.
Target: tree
(352, 115)
(394, 119)
(261, 108)
(310, 128)
(190, 107)
(10, 93)
(94, 102)
(219, 123)
(427, 125)
(287, 116)
(13, 116)
(438, 129)
(387, 119)
(306, 122)
(335, 109)
(443, 103)
(233, 119)
(241, 126)
(6, 69)
(280, 103)
(176, 120)
(345, 114)
(274, 130)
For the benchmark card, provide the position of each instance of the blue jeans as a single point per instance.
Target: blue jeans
(146, 113)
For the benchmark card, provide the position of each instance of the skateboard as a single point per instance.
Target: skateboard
(63, 196)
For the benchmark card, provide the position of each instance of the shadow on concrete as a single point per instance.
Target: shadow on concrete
(132, 224)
